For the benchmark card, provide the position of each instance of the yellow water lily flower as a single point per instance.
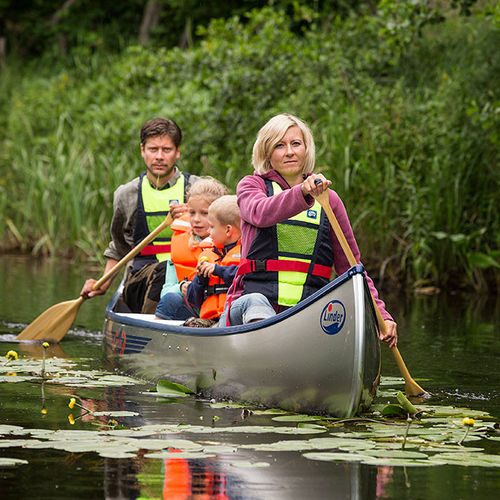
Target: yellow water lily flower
(44, 411)
(12, 355)
(468, 421)
(72, 403)
(45, 345)
(71, 419)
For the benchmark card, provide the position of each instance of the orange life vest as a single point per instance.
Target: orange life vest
(184, 257)
(213, 305)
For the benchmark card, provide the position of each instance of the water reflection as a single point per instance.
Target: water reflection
(186, 479)
(281, 475)
(449, 341)
(35, 350)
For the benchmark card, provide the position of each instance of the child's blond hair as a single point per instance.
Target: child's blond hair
(225, 209)
(207, 188)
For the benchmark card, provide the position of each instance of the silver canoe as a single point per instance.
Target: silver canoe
(321, 356)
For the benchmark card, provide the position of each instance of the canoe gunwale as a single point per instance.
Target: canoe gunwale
(231, 330)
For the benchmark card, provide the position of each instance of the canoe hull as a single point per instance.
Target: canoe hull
(322, 356)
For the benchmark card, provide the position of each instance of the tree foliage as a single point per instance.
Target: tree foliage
(401, 97)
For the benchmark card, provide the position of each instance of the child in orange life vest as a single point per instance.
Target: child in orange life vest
(185, 248)
(217, 265)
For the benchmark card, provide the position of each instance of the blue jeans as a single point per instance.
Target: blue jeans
(247, 308)
(174, 306)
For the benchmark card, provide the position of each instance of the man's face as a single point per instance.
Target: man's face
(160, 154)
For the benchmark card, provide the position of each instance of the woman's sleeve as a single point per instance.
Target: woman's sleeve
(261, 210)
(341, 262)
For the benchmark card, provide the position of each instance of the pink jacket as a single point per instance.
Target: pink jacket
(259, 210)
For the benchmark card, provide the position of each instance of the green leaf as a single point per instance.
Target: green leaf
(407, 406)
(393, 410)
(168, 388)
(482, 260)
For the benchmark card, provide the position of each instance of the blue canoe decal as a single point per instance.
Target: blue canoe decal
(128, 344)
(332, 317)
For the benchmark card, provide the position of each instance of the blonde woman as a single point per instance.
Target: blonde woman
(288, 247)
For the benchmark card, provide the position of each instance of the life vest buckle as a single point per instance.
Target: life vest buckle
(259, 266)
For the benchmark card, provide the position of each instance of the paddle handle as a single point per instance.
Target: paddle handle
(148, 239)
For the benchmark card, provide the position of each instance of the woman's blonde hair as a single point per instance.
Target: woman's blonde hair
(271, 133)
(225, 209)
(207, 188)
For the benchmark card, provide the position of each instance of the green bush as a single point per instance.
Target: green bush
(404, 110)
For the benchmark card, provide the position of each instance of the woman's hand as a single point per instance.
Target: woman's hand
(391, 335)
(310, 186)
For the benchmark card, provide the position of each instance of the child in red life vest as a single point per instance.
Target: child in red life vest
(186, 240)
(217, 265)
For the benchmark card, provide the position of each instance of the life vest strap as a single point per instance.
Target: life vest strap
(156, 249)
(216, 290)
(255, 266)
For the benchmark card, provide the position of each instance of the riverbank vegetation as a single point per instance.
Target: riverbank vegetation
(402, 98)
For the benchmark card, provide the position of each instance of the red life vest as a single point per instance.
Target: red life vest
(184, 257)
(216, 292)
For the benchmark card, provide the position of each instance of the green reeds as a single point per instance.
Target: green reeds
(410, 141)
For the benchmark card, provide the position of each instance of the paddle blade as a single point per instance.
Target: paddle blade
(54, 323)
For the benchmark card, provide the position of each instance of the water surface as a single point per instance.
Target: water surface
(450, 344)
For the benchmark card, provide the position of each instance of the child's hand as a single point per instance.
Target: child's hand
(184, 287)
(205, 269)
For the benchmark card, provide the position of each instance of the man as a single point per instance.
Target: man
(139, 207)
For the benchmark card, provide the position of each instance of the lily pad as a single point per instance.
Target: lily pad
(326, 456)
(180, 455)
(228, 404)
(12, 462)
(288, 445)
(167, 388)
(395, 453)
(117, 413)
(401, 462)
(297, 418)
(116, 454)
(391, 381)
(249, 465)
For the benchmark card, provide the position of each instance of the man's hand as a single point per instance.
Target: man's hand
(88, 290)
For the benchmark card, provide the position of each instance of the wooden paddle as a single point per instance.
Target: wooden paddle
(411, 387)
(53, 324)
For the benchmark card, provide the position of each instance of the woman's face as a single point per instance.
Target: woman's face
(198, 216)
(288, 156)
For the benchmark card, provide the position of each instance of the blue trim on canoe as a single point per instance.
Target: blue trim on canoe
(210, 332)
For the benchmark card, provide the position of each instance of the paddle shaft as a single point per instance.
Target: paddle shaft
(412, 388)
(168, 220)
(54, 323)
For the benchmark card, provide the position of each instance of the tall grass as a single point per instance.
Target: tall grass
(410, 141)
